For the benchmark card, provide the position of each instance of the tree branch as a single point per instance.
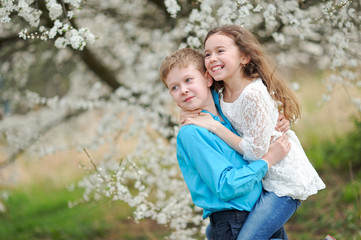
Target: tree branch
(10, 39)
(94, 64)
(42, 132)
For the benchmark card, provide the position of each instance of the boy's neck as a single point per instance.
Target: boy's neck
(213, 110)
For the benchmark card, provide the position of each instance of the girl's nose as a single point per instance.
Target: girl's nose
(212, 58)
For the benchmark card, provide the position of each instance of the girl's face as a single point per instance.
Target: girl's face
(223, 59)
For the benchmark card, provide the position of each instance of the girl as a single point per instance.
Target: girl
(250, 93)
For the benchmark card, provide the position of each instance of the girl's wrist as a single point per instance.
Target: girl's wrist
(216, 128)
(268, 163)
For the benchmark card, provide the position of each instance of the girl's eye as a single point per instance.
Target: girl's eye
(173, 88)
(188, 80)
(220, 50)
(207, 55)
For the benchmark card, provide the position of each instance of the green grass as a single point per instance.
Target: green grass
(335, 210)
(328, 212)
(41, 212)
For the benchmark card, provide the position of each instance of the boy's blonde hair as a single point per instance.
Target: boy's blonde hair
(261, 65)
(182, 58)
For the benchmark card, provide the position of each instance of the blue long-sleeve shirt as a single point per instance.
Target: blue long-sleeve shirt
(217, 177)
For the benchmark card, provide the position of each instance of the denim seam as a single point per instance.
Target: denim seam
(274, 216)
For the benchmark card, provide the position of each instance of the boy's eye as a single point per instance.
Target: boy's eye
(188, 80)
(207, 54)
(173, 88)
(220, 50)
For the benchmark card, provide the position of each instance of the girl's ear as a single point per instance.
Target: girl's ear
(208, 78)
(245, 59)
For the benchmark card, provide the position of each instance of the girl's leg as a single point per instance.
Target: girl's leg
(280, 234)
(268, 216)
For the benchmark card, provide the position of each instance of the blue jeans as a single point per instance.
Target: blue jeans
(267, 217)
(225, 225)
(280, 234)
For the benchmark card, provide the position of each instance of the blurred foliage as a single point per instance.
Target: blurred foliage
(342, 153)
(337, 209)
(40, 211)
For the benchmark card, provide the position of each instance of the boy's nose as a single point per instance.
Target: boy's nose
(184, 90)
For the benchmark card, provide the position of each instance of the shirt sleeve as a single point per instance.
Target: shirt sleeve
(200, 149)
(256, 125)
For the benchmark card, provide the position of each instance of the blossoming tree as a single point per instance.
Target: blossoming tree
(61, 59)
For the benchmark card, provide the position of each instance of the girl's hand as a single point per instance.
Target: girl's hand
(204, 120)
(283, 124)
(188, 114)
(277, 150)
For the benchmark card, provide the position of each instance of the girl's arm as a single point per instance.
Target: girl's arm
(283, 124)
(188, 114)
(206, 120)
(258, 120)
(234, 141)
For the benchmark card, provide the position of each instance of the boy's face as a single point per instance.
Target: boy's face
(189, 88)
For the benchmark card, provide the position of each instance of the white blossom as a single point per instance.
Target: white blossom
(55, 9)
(172, 7)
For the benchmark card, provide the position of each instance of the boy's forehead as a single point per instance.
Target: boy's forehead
(188, 69)
(179, 72)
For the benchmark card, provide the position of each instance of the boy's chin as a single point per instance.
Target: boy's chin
(191, 109)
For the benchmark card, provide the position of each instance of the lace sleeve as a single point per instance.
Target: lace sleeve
(256, 124)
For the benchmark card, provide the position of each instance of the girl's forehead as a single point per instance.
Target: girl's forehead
(218, 39)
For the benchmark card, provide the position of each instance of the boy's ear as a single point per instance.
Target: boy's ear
(208, 78)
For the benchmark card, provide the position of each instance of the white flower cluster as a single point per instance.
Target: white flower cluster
(7, 7)
(77, 39)
(55, 9)
(172, 7)
(66, 34)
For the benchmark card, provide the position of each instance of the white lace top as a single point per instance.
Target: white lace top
(254, 116)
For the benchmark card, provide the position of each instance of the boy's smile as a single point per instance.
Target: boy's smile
(189, 88)
(188, 99)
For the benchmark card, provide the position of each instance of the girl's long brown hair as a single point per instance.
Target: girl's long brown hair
(259, 66)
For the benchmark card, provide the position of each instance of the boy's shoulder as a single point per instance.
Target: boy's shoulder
(193, 133)
(191, 129)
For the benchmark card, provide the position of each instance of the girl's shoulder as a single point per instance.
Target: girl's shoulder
(255, 88)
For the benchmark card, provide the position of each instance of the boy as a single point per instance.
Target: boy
(220, 181)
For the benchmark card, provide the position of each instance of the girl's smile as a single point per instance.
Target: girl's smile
(223, 59)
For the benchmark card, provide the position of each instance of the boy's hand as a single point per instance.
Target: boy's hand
(277, 150)
(283, 124)
(188, 114)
